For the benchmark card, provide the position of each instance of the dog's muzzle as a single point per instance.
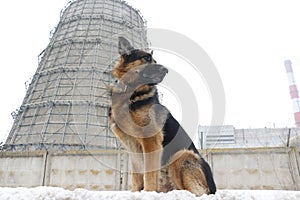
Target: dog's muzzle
(155, 72)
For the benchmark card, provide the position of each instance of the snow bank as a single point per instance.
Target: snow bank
(51, 193)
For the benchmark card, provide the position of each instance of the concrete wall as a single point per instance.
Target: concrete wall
(21, 169)
(256, 168)
(93, 170)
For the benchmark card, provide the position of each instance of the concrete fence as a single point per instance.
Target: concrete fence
(93, 170)
(256, 168)
(259, 168)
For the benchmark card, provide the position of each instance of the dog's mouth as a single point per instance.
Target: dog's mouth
(152, 84)
(155, 80)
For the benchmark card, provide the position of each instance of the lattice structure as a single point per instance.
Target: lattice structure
(66, 104)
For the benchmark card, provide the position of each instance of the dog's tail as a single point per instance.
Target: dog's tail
(208, 175)
(190, 172)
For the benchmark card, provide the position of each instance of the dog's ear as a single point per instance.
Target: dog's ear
(124, 46)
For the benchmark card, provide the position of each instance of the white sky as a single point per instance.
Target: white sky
(247, 40)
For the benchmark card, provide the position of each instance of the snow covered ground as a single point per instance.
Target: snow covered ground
(51, 193)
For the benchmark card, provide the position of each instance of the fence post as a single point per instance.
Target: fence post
(44, 169)
(288, 138)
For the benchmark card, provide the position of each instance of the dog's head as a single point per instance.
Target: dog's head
(137, 67)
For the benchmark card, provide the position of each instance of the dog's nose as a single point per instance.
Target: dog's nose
(163, 69)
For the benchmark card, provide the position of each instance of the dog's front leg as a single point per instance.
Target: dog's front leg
(137, 170)
(152, 149)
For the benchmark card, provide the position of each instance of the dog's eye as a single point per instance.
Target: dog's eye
(148, 58)
(132, 57)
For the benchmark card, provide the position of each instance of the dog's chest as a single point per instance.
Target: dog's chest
(141, 116)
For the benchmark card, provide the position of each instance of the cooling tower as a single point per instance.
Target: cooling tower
(67, 102)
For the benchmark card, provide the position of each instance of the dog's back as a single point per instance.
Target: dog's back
(175, 140)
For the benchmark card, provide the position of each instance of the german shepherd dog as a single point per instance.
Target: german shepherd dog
(163, 157)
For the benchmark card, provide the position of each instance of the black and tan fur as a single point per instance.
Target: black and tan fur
(163, 157)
